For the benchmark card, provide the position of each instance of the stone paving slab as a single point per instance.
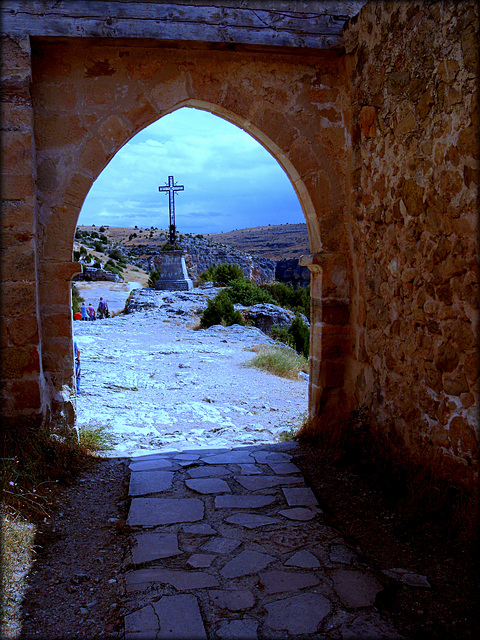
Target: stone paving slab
(246, 562)
(251, 520)
(209, 472)
(154, 463)
(242, 502)
(241, 564)
(150, 512)
(182, 580)
(174, 617)
(154, 546)
(152, 481)
(253, 483)
(208, 485)
(300, 497)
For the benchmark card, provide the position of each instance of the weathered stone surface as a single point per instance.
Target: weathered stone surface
(249, 469)
(237, 600)
(250, 520)
(303, 559)
(208, 472)
(208, 485)
(279, 581)
(201, 560)
(246, 629)
(298, 615)
(170, 617)
(221, 545)
(408, 577)
(202, 529)
(263, 482)
(153, 481)
(265, 456)
(148, 465)
(301, 496)
(230, 457)
(265, 316)
(153, 546)
(242, 502)
(245, 563)
(283, 467)
(299, 513)
(151, 512)
(142, 579)
(340, 553)
(354, 588)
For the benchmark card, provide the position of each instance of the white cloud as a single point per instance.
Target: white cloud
(230, 180)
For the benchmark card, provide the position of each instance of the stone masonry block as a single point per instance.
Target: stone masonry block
(58, 325)
(17, 362)
(17, 152)
(15, 117)
(16, 186)
(26, 394)
(22, 330)
(18, 217)
(19, 298)
(18, 260)
(332, 373)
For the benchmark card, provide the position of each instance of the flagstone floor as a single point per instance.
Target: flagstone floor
(231, 543)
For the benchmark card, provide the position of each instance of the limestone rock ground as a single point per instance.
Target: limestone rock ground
(215, 533)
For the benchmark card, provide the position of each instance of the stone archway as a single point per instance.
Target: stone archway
(90, 98)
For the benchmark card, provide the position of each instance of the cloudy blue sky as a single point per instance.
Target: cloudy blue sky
(230, 180)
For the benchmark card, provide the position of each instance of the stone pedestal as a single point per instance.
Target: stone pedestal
(173, 272)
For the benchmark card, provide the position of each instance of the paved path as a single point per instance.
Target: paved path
(231, 543)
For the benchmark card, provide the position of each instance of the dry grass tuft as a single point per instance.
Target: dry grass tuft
(279, 361)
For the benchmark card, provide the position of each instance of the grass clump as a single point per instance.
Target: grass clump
(95, 439)
(280, 361)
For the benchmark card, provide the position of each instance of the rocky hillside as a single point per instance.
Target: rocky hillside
(141, 247)
(277, 241)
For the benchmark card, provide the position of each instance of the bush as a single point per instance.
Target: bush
(103, 238)
(98, 246)
(83, 250)
(220, 310)
(152, 278)
(108, 267)
(102, 229)
(116, 254)
(300, 334)
(77, 299)
(76, 256)
(286, 296)
(97, 264)
(221, 274)
(247, 293)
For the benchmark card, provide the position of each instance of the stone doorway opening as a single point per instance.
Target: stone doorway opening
(137, 368)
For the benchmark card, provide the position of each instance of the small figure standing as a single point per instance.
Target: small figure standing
(102, 309)
(83, 311)
(91, 311)
(78, 372)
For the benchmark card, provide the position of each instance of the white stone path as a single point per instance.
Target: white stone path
(231, 543)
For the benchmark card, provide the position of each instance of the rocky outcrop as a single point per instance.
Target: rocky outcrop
(90, 274)
(265, 316)
(200, 254)
(291, 272)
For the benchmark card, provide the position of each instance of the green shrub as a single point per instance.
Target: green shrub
(280, 334)
(97, 264)
(152, 278)
(94, 234)
(220, 310)
(77, 299)
(102, 229)
(83, 250)
(108, 267)
(98, 246)
(221, 274)
(300, 333)
(76, 256)
(103, 238)
(289, 298)
(247, 293)
(116, 254)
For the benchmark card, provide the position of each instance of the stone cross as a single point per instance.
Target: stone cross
(171, 188)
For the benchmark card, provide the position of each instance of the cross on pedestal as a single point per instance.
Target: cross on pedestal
(171, 188)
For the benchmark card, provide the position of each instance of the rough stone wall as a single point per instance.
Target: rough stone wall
(21, 350)
(414, 69)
